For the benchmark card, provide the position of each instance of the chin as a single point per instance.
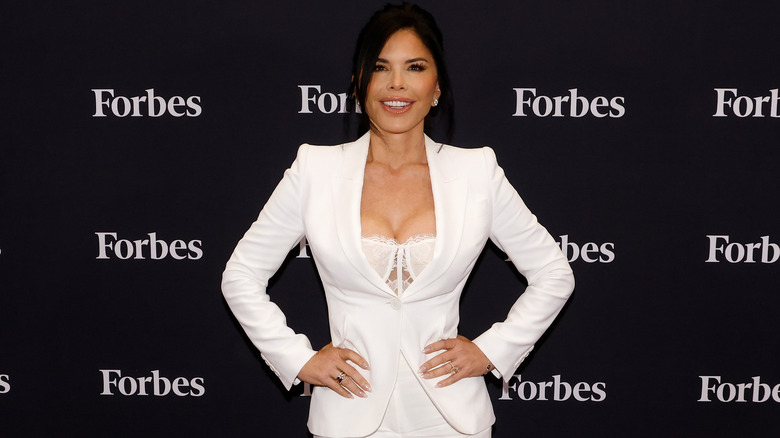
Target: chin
(397, 128)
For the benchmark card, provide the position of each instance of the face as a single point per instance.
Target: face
(403, 86)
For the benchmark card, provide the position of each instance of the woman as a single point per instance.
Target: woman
(395, 222)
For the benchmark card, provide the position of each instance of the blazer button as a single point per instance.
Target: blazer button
(395, 304)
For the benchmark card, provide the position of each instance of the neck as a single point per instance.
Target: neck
(397, 150)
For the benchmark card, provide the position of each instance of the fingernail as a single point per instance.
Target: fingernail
(439, 385)
(365, 366)
(427, 350)
(368, 387)
(422, 369)
(426, 376)
(362, 394)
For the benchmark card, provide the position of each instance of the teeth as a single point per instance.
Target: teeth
(397, 104)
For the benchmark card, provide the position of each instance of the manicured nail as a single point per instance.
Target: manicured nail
(368, 387)
(365, 366)
(422, 369)
(426, 376)
(362, 394)
(427, 350)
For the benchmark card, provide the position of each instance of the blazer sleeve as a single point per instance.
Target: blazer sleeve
(538, 258)
(256, 258)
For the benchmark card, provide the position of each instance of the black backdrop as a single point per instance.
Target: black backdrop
(660, 204)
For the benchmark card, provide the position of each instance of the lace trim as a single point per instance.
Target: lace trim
(399, 263)
(417, 238)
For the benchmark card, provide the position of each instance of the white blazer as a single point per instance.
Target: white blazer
(319, 197)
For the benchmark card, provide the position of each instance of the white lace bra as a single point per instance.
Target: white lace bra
(399, 264)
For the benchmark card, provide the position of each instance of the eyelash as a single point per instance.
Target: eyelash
(413, 67)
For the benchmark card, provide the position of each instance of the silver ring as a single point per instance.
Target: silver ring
(340, 378)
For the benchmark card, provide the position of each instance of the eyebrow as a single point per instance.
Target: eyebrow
(408, 61)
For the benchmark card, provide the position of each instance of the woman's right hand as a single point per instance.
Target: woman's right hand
(325, 367)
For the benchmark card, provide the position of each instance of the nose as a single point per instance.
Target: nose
(396, 80)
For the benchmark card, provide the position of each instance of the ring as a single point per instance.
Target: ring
(340, 377)
(454, 369)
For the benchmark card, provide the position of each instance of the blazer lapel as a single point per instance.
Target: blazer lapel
(449, 198)
(347, 191)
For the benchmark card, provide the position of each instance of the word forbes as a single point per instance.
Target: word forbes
(572, 105)
(730, 102)
(154, 385)
(733, 252)
(753, 391)
(156, 249)
(5, 383)
(155, 106)
(557, 390)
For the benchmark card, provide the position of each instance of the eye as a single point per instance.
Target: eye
(417, 67)
(380, 67)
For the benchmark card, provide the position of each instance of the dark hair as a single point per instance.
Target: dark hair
(380, 27)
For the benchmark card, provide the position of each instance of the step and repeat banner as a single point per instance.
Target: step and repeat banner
(141, 139)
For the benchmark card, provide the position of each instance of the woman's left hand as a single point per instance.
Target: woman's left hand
(460, 358)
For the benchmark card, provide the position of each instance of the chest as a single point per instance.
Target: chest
(397, 203)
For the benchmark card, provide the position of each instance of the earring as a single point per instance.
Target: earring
(435, 102)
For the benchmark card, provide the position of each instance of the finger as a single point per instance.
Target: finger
(353, 387)
(342, 391)
(449, 380)
(437, 361)
(354, 379)
(444, 344)
(337, 386)
(443, 370)
(355, 358)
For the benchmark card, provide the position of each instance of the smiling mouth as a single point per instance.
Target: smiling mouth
(396, 104)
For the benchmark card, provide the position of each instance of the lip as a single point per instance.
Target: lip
(401, 110)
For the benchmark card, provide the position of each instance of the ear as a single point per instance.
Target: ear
(437, 93)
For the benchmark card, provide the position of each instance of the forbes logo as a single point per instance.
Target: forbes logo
(754, 391)
(734, 252)
(730, 102)
(557, 390)
(153, 106)
(156, 249)
(572, 105)
(154, 385)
